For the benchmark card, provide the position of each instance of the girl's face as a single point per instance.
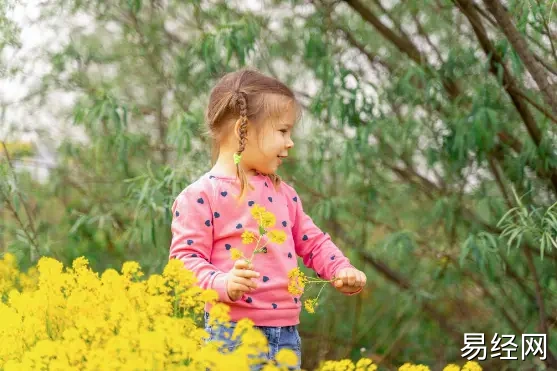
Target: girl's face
(265, 154)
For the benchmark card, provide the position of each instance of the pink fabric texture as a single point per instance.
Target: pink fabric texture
(208, 220)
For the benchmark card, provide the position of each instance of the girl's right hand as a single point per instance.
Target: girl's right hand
(240, 279)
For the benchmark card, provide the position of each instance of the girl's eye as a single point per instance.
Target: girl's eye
(284, 130)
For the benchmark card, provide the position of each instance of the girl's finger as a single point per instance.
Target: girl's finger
(236, 286)
(245, 282)
(351, 279)
(241, 264)
(343, 277)
(359, 279)
(363, 278)
(246, 273)
(348, 290)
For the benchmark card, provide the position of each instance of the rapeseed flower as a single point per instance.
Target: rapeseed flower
(471, 366)
(77, 319)
(296, 281)
(235, 254)
(310, 305)
(277, 236)
(248, 237)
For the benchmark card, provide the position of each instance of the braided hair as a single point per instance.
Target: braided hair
(239, 100)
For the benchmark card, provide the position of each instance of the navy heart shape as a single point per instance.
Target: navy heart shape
(194, 255)
(177, 213)
(284, 223)
(251, 203)
(216, 214)
(290, 255)
(274, 306)
(190, 242)
(305, 238)
(208, 223)
(212, 272)
(238, 226)
(333, 257)
(295, 199)
(265, 278)
(270, 199)
(296, 300)
(248, 300)
(227, 246)
(311, 255)
(223, 194)
(200, 200)
(266, 184)
(211, 177)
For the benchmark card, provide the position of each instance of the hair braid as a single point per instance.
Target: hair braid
(240, 99)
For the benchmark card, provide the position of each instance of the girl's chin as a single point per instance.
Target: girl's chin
(268, 171)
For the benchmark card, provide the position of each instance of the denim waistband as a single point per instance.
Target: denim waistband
(287, 328)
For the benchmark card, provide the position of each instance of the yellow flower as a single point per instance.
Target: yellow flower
(365, 364)
(242, 326)
(268, 219)
(287, 357)
(256, 211)
(451, 367)
(277, 236)
(131, 268)
(219, 315)
(77, 319)
(236, 254)
(264, 218)
(410, 367)
(471, 366)
(343, 364)
(248, 237)
(310, 305)
(296, 281)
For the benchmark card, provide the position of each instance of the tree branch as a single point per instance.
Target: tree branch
(32, 237)
(509, 84)
(521, 48)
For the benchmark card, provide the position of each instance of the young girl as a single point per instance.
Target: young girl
(250, 118)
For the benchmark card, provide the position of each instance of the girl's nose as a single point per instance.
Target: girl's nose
(290, 143)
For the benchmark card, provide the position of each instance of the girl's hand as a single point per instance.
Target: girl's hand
(240, 279)
(350, 280)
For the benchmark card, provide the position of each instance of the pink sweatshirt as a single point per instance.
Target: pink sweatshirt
(208, 222)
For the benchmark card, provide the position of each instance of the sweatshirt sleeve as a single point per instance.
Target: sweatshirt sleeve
(192, 240)
(314, 246)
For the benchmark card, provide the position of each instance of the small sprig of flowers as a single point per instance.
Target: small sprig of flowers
(297, 282)
(265, 220)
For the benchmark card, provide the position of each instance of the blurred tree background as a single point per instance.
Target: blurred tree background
(427, 150)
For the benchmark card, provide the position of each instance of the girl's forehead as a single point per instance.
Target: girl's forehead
(288, 116)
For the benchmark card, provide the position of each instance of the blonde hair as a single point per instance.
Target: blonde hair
(243, 96)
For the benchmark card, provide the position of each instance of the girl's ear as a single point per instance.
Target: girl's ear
(237, 128)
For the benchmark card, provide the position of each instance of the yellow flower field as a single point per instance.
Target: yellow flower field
(56, 318)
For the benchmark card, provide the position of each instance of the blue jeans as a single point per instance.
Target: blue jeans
(278, 338)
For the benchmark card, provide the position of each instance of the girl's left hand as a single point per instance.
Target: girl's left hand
(350, 280)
